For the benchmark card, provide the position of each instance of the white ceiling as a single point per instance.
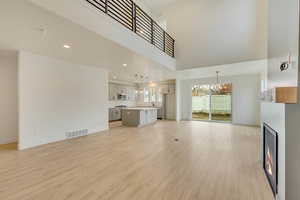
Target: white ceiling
(214, 32)
(157, 6)
(217, 32)
(25, 26)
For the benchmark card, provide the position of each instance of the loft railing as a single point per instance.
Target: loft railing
(134, 18)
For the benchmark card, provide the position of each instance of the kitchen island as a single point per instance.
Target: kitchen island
(139, 116)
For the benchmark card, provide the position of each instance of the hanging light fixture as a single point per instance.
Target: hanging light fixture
(218, 72)
(140, 77)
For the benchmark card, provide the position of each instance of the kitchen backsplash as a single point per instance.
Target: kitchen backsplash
(113, 104)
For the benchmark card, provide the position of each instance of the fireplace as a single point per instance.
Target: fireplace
(270, 141)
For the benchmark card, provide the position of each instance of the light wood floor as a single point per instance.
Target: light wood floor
(8, 147)
(209, 162)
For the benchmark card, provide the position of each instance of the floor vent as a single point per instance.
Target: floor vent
(77, 133)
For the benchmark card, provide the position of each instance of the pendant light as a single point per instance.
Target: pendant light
(218, 72)
(215, 86)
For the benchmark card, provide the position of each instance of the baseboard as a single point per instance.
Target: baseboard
(97, 130)
(249, 125)
(8, 140)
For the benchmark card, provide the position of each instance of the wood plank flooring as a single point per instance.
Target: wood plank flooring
(209, 161)
(8, 147)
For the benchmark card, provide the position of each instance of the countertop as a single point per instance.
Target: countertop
(141, 108)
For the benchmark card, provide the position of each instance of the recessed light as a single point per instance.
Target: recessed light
(67, 46)
(124, 65)
(114, 77)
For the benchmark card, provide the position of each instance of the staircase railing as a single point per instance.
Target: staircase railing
(134, 18)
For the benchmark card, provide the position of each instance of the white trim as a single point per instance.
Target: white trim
(9, 140)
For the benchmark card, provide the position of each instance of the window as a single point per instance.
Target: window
(152, 95)
(146, 95)
(159, 96)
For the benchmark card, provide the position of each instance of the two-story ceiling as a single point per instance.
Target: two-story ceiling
(214, 32)
(206, 33)
(40, 27)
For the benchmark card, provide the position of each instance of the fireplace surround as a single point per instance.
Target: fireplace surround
(270, 157)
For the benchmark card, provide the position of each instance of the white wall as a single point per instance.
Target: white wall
(249, 67)
(283, 37)
(214, 32)
(274, 115)
(245, 97)
(56, 97)
(8, 98)
(292, 151)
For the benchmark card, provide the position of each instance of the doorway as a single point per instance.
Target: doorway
(212, 102)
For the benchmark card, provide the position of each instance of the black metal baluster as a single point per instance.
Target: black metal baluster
(106, 6)
(134, 18)
(164, 41)
(152, 32)
(173, 48)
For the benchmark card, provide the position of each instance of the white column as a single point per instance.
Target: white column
(178, 100)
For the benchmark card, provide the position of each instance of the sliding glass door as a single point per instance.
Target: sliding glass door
(221, 102)
(212, 102)
(201, 102)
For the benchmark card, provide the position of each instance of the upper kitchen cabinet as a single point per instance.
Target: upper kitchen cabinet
(132, 94)
(120, 92)
(112, 92)
(168, 88)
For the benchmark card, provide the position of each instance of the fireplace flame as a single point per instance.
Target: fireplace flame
(269, 162)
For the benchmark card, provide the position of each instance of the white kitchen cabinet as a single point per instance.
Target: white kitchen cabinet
(118, 92)
(113, 92)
